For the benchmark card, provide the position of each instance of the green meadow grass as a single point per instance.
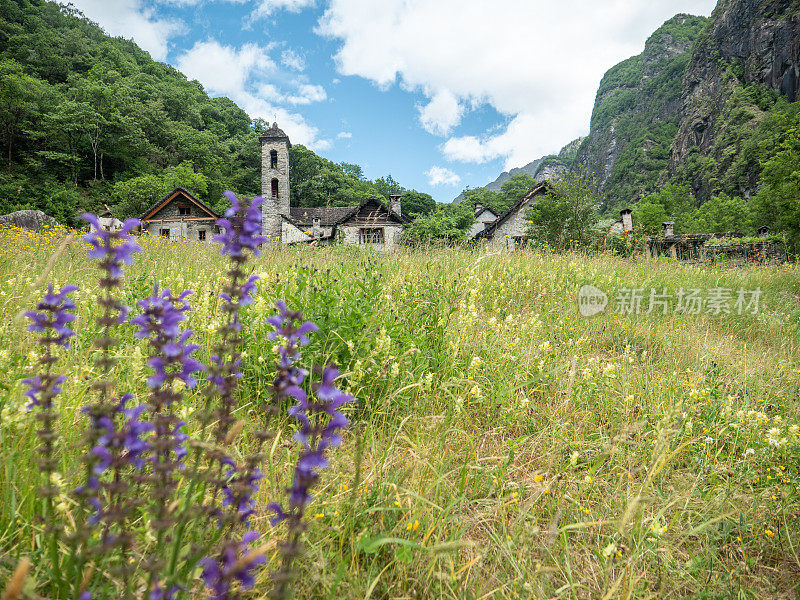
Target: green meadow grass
(502, 445)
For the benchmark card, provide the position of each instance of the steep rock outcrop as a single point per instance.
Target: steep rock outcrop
(636, 113)
(748, 43)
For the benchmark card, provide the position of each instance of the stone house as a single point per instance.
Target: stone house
(512, 227)
(484, 216)
(180, 215)
(370, 224)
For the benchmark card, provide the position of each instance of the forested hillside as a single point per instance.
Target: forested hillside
(87, 119)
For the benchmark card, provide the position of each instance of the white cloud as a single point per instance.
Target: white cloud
(307, 93)
(293, 60)
(441, 114)
(344, 135)
(442, 176)
(266, 8)
(242, 75)
(225, 69)
(131, 19)
(538, 63)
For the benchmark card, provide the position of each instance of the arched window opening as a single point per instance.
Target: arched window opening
(273, 159)
(274, 188)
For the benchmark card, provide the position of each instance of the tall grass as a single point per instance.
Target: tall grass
(502, 445)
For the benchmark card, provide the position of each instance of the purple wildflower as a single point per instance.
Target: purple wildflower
(50, 319)
(320, 422)
(234, 569)
(242, 225)
(53, 314)
(159, 322)
(111, 248)
(126, 444)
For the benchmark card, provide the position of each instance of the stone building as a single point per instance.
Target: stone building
(484, 216)
(180, 215)
(370, 224)
(512, 227)
(730, 247)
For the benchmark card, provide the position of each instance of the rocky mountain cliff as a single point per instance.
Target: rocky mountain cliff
(637, 112)
(744, 65)
(546, 167)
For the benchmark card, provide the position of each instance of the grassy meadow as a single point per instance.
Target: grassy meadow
(501, 446)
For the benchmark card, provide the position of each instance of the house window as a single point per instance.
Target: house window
(183, 211)
(370, 235)
(164, 232)
(274, 188)
(201, 235)
(273, 159)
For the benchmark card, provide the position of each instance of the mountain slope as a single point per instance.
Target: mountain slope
(542, 168)
(636, 114)
(744, 71)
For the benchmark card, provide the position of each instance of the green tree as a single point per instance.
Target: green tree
(566, 214)
(777, 204)
(137, 194)
(415, 204)
(446, 224)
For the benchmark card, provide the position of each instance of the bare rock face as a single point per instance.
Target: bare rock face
(33, 220)
(636, 112)
(759, 42)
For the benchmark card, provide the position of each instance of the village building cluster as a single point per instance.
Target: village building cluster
(181, 215)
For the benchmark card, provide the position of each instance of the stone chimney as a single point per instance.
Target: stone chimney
(316, 229)
(668, 228)
(763, 231)
(627, 219)
(478, 208)
(394, 204)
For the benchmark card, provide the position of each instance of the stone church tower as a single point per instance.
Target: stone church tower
(274, 180)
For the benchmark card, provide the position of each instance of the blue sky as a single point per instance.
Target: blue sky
(441, 94)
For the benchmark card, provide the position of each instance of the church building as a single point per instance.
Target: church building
(370, 224)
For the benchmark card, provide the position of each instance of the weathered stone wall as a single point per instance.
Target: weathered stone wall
(515, 226)
(391, 237)
(187, 230)
(273, 208)
(484, 218)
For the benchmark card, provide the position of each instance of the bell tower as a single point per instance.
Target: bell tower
(274, 180)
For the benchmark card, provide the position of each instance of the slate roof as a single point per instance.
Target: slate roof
(275, 133)
(328, 216)
(156, 206)
(488, 232)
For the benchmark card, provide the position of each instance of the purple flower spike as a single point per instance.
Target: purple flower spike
(53, 314)
(320, 420)
(235, 567)
(242, 225)
(114, 248)
(160, 322)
